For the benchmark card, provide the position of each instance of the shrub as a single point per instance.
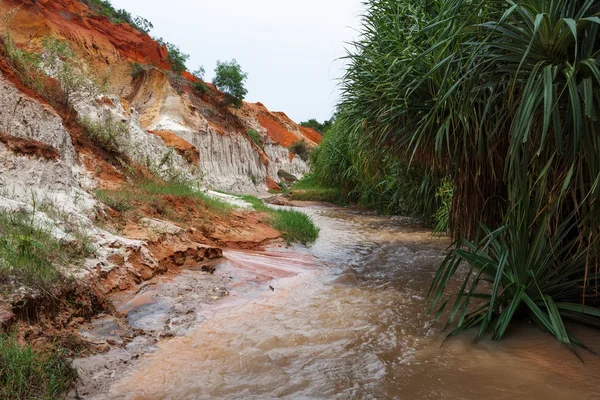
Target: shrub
(301, 149)
(29, 374)
(500, 96)
(175, 57)
(230, 78)
(136, 70)
(105, 8)
(322, 128)
(199, 73)
(201, 88)
(256, 138)
(107, 134)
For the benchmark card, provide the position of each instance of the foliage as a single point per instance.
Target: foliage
(294, 226)
(322, 128)
(150, 192)
(502, 98)
(29, 253)
(371, 177)
(175, 56)
(199, 73)
(29, 374)
(230, 79)
(185, 189)
(301, 149)
(104, 7)
(136, 70)
(444, 193)
(201, 88)
(256, 137)
(308, 189)
(107, 134)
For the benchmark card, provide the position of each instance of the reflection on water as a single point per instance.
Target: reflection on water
(350, 324)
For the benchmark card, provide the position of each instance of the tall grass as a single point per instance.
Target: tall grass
(372, 177)
(503, 98)
(30, 254)
(151, 191)
(29, 374)
(295, 226)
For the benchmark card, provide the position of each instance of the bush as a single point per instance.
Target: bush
(201, 88)
(107, 134)
(301, 149)
(230, 78)
(175, 57)
(105, 8)
(199, 73)
(29, 374)
(136, 70)
(322, 128)
(256, 138)
(57, 60)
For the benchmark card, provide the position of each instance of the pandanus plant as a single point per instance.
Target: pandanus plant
(504, 98)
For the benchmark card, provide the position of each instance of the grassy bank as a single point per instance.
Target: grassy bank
(153, 195)
(308, 189)
(30, 254)
(294, 226)
(29, 374)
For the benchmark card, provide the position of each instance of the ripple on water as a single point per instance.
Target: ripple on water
(354, 327)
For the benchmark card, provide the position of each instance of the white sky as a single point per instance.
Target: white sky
(288, 48)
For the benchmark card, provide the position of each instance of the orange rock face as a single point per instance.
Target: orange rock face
(75, 22)
(185, 149)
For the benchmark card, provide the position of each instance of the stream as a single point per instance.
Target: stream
(346, 319)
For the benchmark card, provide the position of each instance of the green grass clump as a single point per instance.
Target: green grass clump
(295, 226)
(149, 192)
(183, 189)
(29, 253)
(256, 138)
(308, 189)
(29, 374)
(108, 134)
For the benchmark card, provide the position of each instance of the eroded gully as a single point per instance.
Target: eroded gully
(346, 319)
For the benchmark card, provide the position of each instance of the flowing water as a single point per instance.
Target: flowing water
(346, 319)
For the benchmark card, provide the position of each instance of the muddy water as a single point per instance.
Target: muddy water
(345, 320)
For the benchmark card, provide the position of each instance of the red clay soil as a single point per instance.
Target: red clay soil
(184, 148)
(29, 147)
(311, 134)
(272, 185)
(74, 21)
(277, 132)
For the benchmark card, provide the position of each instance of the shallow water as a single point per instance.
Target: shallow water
(346, 320)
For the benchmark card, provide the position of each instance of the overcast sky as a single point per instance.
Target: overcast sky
(288, 48)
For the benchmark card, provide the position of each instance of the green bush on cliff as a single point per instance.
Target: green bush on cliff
(104, 7)
(301, 149)
(107, 134)
(230, 79)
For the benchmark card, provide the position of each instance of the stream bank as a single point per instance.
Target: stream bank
(343, 319)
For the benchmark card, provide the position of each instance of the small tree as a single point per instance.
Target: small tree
(230, 79)
(199, 73)
(175, 57)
